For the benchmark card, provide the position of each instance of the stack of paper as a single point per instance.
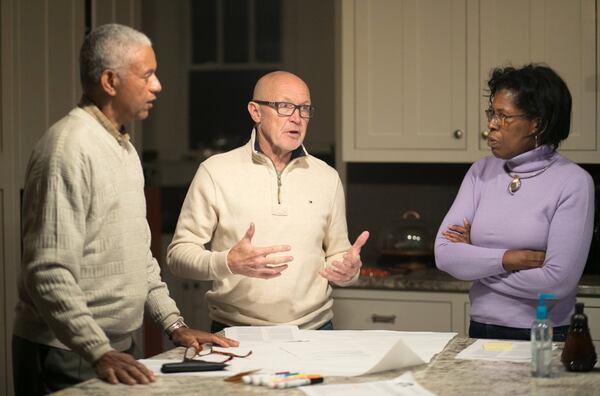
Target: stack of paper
(328, 353)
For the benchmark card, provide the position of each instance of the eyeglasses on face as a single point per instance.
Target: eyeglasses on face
(287, 109)
(500, 118)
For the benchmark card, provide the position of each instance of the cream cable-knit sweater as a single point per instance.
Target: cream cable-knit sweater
(233, 189)
(87, 267)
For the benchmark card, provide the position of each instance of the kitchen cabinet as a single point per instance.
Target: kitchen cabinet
(191, 301)
(370, 309)
(413, 73)
(363, 309)
(533, 35)
(189, 294)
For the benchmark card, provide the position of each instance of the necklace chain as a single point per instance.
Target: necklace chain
(515, 184)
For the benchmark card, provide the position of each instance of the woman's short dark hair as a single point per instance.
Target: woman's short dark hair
(540, 93)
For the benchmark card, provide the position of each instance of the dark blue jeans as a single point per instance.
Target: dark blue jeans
(482, 330)
(215, 326)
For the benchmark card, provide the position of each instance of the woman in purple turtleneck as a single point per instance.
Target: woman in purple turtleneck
(521, 223)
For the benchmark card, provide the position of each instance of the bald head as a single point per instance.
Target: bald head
(272, 85)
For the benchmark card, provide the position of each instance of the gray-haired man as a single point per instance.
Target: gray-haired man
(87, 270)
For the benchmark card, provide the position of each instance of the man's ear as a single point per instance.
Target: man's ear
(109, 81)
(254, 110)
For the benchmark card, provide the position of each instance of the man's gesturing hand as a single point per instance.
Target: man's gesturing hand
(248, 260)
(340, 272)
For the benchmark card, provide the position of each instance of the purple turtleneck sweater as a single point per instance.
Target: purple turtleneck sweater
(552, 211)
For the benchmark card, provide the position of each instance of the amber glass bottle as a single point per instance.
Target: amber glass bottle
(579, 353)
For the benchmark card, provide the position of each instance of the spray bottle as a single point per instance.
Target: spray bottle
(541, 340)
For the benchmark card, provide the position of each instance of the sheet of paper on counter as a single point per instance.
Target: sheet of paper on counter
(337, 352)
(252, 334)
(509, 351)
(404, 385)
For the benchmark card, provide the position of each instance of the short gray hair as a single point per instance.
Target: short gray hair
(108, 46)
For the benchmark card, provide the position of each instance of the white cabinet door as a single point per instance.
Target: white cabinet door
(393, 315)
(413, 73)
(410, 73)
(189, 294)
(404, 77)
(561, 34)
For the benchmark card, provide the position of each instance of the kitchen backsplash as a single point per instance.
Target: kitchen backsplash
(379, 193)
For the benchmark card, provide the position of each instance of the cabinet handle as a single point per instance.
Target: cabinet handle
(383, 318)
(484, 134)
(458, 134)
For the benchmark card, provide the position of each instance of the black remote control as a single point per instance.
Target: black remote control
(195, 365)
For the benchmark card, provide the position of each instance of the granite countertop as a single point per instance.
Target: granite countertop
(432, 279)
(443, 376)
(448, 376)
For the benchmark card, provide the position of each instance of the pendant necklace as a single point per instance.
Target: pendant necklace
(515, 183)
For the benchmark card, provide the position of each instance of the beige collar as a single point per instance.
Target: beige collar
(88, 105)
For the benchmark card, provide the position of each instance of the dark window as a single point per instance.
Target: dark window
(219, 117)
(235, 31)
(233, 43)
(268, 31)
(204, 31)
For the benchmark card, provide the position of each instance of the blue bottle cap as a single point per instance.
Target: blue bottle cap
(542, 311)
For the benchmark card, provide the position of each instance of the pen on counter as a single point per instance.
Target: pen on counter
(296, 382)
(293, 377)
(276, 381)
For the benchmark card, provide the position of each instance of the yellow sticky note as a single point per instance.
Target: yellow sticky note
(497, 346)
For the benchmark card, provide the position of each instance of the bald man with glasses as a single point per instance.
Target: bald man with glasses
(274, 217)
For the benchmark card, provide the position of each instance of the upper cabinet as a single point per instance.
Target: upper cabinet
(414, 72)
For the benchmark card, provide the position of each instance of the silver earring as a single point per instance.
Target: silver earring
(536, 141)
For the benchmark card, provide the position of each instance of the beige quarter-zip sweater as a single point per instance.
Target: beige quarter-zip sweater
(87, 271)
(302, 207)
